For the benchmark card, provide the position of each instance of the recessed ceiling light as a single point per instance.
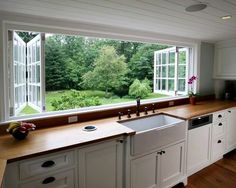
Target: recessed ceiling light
(196, 7)
(226, 17)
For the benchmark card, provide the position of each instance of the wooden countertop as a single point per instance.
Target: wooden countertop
(68, 136)
(3, 164)
(189, 111)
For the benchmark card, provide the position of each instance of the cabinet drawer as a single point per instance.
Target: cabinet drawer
(41, 165)
(218, 147)
(218, 128)
(219, 116)
(63, 179)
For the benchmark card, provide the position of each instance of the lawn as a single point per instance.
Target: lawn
(52, 95)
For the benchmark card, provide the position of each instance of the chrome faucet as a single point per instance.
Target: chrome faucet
(138, 107)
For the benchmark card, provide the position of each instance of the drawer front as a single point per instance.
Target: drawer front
(43, 165)
(219, 116)
(218, 147)
(63, 179)
(218, 128)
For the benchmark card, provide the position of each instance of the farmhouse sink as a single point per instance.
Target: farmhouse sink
(154, 132)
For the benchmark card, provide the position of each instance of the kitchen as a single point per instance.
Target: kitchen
(77, 159)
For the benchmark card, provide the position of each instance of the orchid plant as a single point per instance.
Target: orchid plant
(190, 83)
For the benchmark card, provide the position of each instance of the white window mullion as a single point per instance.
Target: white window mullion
(176, 71)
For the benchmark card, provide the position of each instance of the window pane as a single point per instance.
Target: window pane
(38, 73)
(181, 85)
(158, 58)
(158, 72)
(38, 51)
(15, 50)
(182, 71)
(171, 71)
(163, 58)
(163, 72)
(172, 58)
(163, 87)
(182, 57)
(171, 85)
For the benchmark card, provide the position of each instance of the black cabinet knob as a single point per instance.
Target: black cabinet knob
(219, 116)
(48, 180)
(220, 124)
(48, 164)
(219, 141)
(163, 152)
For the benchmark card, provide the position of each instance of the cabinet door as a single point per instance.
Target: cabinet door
(172, 165)
(144, 171)
(199, 142)
(231, 130)
(101, 165)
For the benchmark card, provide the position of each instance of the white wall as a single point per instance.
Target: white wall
(206, 82)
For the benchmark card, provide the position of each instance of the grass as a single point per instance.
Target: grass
(52, 95)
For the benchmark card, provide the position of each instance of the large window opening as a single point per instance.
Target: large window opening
(54, 72)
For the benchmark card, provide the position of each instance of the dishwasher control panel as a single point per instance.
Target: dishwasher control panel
(200, 121)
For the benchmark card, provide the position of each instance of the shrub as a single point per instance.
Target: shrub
(139, 89)
(74, 99)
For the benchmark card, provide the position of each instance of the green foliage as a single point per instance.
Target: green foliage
(26, 36)
(55, 65)
(109, 71)
(141, 64)
(140, 89)
(74, 99)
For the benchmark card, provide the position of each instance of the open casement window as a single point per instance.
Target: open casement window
(171, 70)
(26, 73)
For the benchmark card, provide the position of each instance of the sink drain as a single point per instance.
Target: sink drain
(89, 128)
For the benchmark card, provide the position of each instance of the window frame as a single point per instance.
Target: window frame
(167, 64)
(94, 31)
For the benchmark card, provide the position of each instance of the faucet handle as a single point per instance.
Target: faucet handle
(128, 113)
(119, 115)
(153, 108)
(146, 110)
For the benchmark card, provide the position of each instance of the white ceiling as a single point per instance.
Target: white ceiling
(160, 16)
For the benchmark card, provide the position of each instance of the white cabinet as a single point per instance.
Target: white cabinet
(144, 171)
(225, 55)
(172, 165)
(199, 147)
(163, 168)
(218, 135)
(231, 130)
(55, 170)
(101, 165)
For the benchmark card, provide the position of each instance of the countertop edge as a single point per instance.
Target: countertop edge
(3, 164)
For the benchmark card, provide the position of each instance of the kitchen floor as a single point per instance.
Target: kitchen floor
(221, 174)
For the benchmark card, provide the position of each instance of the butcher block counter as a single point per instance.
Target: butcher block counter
(63, 137)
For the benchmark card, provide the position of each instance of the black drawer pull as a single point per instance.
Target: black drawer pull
(48, 180)
(163, 152)
(220, 124)
(219, 116)
(219, 141)
(229, 111)
(48, 164)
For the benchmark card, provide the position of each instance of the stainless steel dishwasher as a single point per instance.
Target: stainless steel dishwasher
(199, 143)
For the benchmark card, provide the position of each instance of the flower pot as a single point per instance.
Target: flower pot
(192, 100)
(19, 135)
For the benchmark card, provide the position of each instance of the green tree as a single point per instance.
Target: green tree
(55, 65)
(141, 64)
(109, 71)
(139, 89)
(26, 36)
